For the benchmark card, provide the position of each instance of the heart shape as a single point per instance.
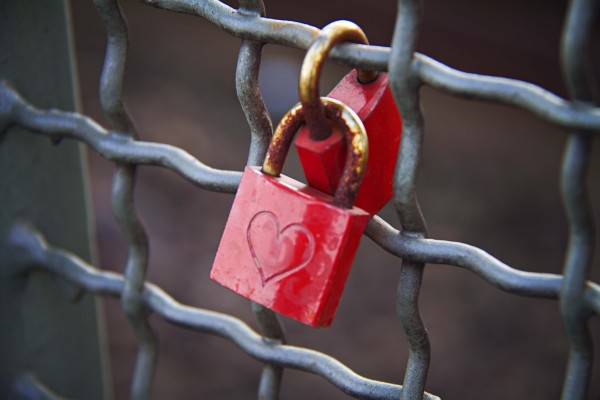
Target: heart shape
(278, 253)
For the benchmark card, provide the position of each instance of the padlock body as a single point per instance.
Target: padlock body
(287, 247)
(323, 161)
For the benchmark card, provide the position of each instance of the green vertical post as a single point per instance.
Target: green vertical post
(42, 330)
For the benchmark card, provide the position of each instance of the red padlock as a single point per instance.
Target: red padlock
(322, 153)
(286, 245)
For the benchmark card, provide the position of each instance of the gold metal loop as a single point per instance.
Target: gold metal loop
(308, 84)
(356, 138)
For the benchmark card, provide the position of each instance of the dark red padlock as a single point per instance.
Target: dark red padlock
(286, 245)
(322, 154)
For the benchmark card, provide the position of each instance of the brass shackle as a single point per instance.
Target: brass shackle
(308, 84)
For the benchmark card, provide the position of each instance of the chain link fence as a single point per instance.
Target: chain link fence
(579, 298)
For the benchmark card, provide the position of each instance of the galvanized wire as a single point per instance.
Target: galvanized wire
(405, 87)
(261, 130)
(123, 205)
(32, 252)
(575, 166)
(409, 71)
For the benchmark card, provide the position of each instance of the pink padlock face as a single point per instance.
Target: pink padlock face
(286, 247)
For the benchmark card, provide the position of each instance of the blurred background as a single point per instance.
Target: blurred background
(488, 177)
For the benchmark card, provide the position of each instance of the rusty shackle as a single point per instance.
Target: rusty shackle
(356, 138)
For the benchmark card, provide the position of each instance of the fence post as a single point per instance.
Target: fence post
(43, 330)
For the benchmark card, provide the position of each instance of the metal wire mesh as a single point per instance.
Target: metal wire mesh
(578, 297)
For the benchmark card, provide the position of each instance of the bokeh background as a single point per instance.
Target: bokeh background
(488, 177)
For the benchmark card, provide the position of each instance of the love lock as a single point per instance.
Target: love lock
(322, 150)
(286, 245)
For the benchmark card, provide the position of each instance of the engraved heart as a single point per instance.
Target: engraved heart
(278, 253)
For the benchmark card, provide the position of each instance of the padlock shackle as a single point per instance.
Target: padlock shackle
(356, 144)
(308, 84)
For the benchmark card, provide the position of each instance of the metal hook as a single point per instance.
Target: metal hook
(308, 84)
